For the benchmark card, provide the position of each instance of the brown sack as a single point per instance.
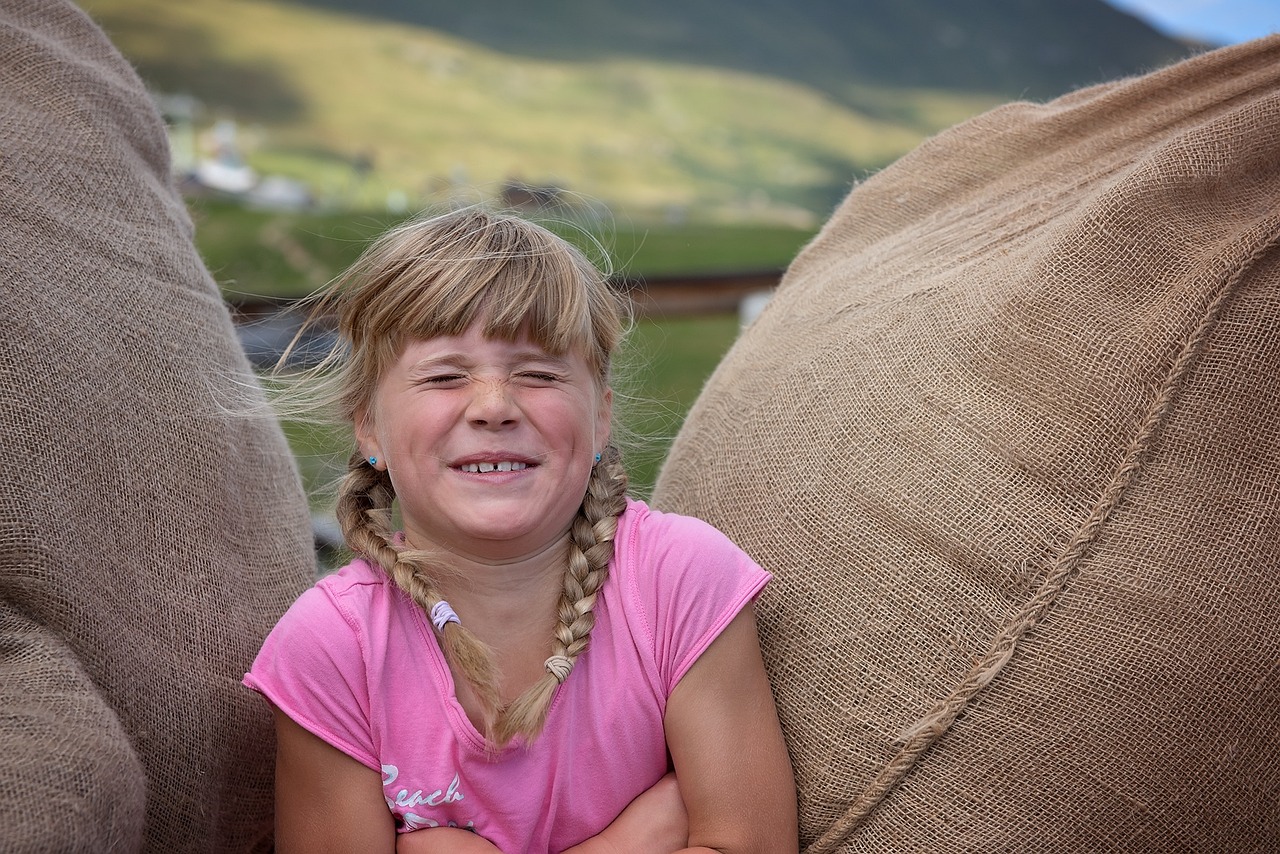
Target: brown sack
(148, 540)
(1009, 437)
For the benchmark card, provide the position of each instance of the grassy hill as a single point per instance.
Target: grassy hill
(277, 255)
(1012, 48)
(708, 111)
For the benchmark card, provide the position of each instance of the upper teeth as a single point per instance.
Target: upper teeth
(476, 468)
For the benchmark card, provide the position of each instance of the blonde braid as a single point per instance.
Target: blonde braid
(364, 511)
(590, 550)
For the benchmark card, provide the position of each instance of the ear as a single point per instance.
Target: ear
(367, 437)
(604, 419)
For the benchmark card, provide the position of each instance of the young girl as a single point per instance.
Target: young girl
(533, 662)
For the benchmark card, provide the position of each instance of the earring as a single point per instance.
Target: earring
(373, 461)
(598, 456)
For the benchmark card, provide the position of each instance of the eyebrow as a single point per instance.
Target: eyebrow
(461, 360)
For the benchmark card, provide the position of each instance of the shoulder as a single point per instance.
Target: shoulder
(646, 532)
(330, 624)
(320, 609)
(356, 578)
(682, 581)
(670, 551)
(344, 595)
(315, 665)
(657, 551)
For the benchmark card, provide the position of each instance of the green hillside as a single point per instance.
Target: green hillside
(1013, 48)
(684, 111)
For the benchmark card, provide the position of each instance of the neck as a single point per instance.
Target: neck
(497, 597)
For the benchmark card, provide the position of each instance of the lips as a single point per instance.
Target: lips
(493, 460)
(486, 467)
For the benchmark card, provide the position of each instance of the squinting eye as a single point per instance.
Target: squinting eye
(442, 379)
(540, 377)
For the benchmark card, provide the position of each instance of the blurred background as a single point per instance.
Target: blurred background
(700, 142)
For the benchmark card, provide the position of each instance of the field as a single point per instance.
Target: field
(255, 254)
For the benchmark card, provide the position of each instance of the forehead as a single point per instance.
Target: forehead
(473, 346)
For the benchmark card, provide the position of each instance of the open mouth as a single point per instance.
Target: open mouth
(484, 468)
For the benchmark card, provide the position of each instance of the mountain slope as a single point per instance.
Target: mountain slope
(1010, 48)
(707, 109)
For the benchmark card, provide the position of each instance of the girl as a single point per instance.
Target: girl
(533, 662)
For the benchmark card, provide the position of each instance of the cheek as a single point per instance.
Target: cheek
(388, 432)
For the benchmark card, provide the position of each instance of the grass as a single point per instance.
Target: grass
(652, 251)
(664, 366)
(254, 253)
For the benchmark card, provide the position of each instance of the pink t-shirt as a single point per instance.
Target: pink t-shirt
(355, 662)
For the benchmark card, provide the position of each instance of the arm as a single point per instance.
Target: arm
(443, 840)
(325, 800)
(328, 802)
(654, 823)
(727, 748)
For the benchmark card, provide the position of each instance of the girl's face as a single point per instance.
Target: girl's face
(489, 443)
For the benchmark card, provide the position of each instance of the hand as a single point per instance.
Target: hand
(654, 823)
(443, 840)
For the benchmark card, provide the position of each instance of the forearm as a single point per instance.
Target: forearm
(604, 845)
(443, 840)
(654, 823)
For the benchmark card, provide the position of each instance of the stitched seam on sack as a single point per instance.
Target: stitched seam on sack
(922, 735)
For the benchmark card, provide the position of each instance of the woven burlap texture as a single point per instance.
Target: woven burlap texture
(1007, 436)
(149, 540)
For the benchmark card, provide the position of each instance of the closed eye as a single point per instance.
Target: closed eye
(442, 379)
(538, 377)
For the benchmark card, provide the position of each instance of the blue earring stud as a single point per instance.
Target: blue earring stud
(598, 456)
(373, 461)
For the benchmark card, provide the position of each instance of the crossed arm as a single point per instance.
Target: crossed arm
(732, 790)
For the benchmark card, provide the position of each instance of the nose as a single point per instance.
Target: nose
(491, 405)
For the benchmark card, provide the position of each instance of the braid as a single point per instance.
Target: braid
(590, 550)
(364, 511)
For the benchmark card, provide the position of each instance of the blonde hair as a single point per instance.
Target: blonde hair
(439, 276)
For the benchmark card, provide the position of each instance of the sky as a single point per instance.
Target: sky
(1215, 21)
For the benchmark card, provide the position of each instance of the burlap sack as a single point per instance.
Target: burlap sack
(148, 541)
(1008, 436)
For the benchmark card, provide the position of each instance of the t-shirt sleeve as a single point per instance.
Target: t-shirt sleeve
(312, 667)
(690, 581)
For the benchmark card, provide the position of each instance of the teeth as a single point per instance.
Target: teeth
(505, 465)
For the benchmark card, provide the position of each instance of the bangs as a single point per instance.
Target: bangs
(540, 294)
(443, 276)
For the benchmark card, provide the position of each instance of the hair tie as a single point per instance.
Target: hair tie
(441, 613)
(559, 666)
